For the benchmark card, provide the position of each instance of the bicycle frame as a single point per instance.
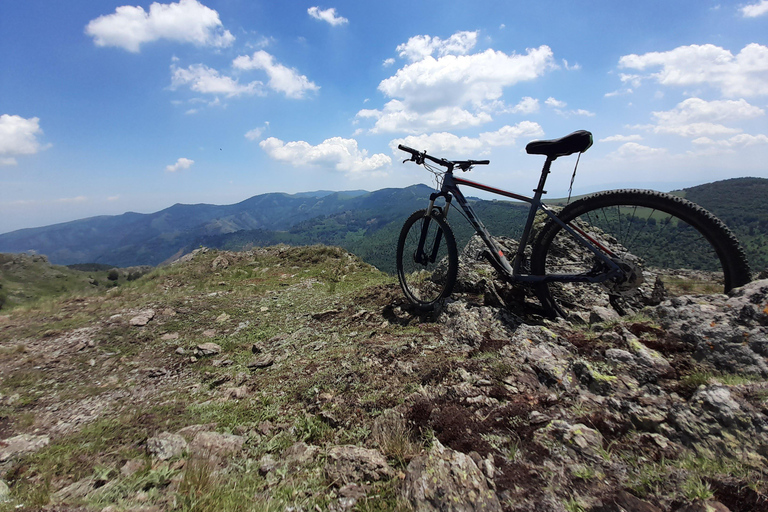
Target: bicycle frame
(514, 271)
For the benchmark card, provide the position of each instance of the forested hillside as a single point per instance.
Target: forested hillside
(742, 203)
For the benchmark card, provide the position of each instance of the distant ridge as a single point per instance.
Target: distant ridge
(365, 223)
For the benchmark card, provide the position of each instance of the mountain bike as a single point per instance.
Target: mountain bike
(628, 246)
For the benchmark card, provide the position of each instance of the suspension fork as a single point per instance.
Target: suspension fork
(420, 257)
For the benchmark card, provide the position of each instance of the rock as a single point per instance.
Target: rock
(75, 491)
(189, 432)
(730, 334)
(600, 314)
(21, 444)
(704, 506)
(206, 444)
(165, 445)
(267, 464)
(132, 466)
(630, 503)
(223, 318)
(261, 362)
(170, 336)
(597, 382)
(447, 480)
(207, 349)
(143, 318)
(578, 439)
(220, 263)
(299, 454)
(345, 464)
(714, 423)
(5, 492)
(236, 393)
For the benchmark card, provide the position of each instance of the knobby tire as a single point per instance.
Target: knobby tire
(427, 284)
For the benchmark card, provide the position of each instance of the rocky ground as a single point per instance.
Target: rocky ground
(299, 379)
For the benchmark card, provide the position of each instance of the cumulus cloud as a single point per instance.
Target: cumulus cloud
(744, 74)
(328, 15)
(256, 132)
(622, 138)
(458, 80)
(187, 21)
(444, 142)
(18, 136)
(696, 117)
(755, 10)
(552, 102)
(635, 151)
(527, 105)
(181, 163)
(455, 89)
(201, 78)
(281, 78)
(337, 153)
(396, 117)
(419, 47)
(737, 141)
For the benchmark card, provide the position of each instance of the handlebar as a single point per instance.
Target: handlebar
(420, 156)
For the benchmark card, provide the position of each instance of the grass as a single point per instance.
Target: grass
(342, 374)
(695, 488)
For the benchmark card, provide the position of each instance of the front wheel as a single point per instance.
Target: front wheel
(427, 260)
(665, 245)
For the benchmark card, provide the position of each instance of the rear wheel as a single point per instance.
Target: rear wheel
(427, 260)
(667, 246)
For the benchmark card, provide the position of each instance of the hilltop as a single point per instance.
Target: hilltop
(298, 377)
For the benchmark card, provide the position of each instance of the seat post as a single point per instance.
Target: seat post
(535, 204)
(539, 191)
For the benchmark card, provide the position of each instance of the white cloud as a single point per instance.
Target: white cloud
(755, 10)
(695, 117)
(444, 142)
(181, 163)
(527, 105)
(396, 117)
(328, 15)
(18, 136)
(256, 132)
(187, 21)
(745, 74)
(68, 200)
(737, 141)
(552, 102)
(388, 62)
(571, 67)
(419, 47)
(281, 78)
(338, 153)
(458, 80)
(635, 151)
(622, 138)
(201, 78)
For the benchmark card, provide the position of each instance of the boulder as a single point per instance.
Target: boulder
(446, 480)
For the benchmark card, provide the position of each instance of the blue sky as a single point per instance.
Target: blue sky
(108, 107)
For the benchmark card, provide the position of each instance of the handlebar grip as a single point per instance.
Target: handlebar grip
(482, 162)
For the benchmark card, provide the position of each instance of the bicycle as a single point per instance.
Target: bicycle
(633, 244)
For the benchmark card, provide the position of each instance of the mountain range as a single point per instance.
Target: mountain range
(365, 223)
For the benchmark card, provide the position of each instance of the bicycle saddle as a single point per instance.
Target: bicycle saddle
(577, 142)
